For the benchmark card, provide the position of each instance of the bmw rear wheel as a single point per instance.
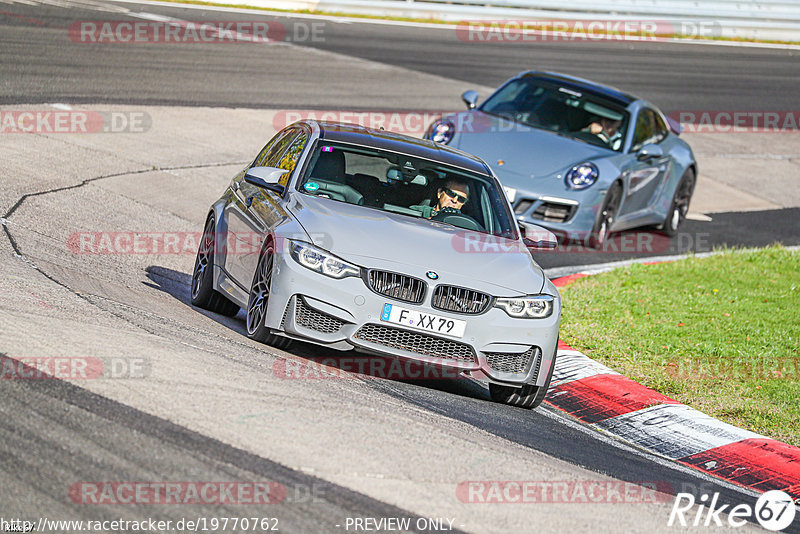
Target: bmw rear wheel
(258, 302)
(202, 292)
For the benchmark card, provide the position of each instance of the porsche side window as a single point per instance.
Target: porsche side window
(645, 131)
(661, 128)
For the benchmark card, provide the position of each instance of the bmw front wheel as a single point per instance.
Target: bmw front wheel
(202, 292)
(258, 302)
(528, 396)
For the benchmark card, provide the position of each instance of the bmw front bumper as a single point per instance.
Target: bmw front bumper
(345, 314)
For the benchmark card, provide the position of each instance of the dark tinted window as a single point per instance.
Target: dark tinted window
(408, 186)
(548, 106)
(649, 129)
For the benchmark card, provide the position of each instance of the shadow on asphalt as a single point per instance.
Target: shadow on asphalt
(315, 362)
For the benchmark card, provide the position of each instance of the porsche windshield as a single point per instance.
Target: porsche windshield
(406, 185)
(539, 104)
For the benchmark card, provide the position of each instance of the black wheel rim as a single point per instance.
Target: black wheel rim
(259, 293)
(608, 215)
(203, 260)
(681, 203)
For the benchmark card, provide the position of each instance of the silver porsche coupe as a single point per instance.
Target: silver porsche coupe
(360, 239)
(579, 158)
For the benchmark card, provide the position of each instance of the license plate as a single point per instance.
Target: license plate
(427, 322)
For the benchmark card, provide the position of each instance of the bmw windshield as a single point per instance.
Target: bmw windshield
(407, 185)
(562, 110)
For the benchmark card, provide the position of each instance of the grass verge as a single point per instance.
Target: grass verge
(719, 333)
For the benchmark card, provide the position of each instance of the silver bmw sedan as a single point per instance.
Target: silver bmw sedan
(360, 239)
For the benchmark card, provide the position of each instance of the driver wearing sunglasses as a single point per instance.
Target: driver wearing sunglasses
(450, 198)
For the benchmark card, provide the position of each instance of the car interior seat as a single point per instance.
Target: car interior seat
(329, 174)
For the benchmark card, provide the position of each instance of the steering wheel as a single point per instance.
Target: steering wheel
(589, 137)
(456, 218)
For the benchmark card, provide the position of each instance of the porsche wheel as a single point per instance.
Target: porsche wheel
(606, 218)
(680, 204)
(202, 292)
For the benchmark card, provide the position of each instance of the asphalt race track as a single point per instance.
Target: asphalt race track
(209, 404)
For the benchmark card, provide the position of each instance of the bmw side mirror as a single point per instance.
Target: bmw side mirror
(537, 238)
(470, 98)
(266, 178)
(649, 152)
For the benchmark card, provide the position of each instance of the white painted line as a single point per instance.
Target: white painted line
(702, 217)
(597, 268)
(674, 430)
(63, 107)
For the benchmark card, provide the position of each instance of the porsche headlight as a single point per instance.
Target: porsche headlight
(582, 176)
(441, 131)
(321, 261)
(536, 307)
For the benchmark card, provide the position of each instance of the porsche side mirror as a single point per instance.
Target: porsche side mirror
(649, 152)
(537, 238)
(470, 98)
(266, 178)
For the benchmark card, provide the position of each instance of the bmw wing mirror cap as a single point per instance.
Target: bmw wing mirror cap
(265, 177)
(648, 152)
(470, 98)
(537, 238)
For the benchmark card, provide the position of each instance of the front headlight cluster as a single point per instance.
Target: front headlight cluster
(321, 261)
(582, 176)
(441, 131)
(536, 307)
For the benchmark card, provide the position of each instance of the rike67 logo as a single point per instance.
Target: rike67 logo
(774, 510)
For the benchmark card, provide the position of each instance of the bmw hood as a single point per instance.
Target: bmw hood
(527, 152)
(377, 239)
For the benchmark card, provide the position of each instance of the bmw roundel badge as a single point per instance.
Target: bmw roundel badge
(432, 275)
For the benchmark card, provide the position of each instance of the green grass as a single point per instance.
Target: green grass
(719, 333)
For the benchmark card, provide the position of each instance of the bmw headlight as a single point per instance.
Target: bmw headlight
(321, 261)
(441, 131)
(537, 307)
(582, 176)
